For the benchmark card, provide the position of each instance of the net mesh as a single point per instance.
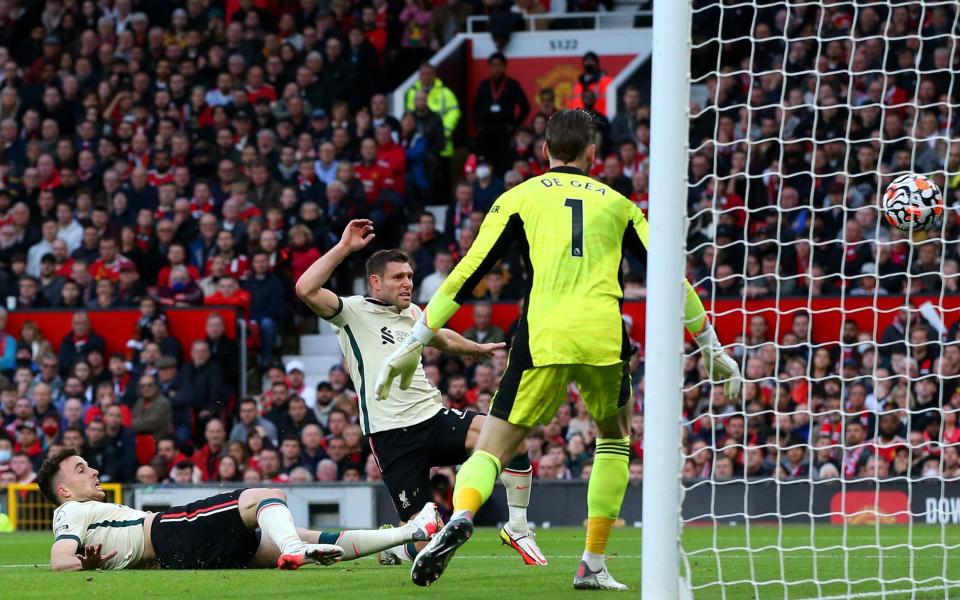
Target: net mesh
(835, 473)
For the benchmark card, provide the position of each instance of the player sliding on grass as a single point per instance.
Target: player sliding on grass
(573, 232)
(249, 528)
(410, 431)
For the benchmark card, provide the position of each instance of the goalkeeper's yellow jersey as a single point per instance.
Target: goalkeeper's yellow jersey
(573, 232)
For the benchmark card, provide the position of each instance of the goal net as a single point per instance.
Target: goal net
(836, 473)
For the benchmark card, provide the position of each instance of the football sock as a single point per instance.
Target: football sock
(276, 523)
(475, 481)
(409, 550)
(516, 478)
(361, 542)
(605, 490)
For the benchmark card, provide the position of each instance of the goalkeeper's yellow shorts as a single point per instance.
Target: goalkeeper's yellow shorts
(531, 396)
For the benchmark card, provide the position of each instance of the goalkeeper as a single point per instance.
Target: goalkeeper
(573, 232)
(249, 528)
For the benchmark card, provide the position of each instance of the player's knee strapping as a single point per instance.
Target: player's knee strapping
(608, 480)
(475, 481)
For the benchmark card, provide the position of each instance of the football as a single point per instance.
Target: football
(912, 203)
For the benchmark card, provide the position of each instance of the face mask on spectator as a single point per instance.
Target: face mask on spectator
(483, 172)
(5, 456)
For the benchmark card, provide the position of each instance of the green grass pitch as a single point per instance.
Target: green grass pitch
(484, 569)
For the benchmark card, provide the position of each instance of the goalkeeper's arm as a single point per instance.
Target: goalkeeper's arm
(496, 234)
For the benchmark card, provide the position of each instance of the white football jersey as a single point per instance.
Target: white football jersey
(115, 526)
(369, 331)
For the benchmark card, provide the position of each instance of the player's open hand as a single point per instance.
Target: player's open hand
(483, 351)
(402, 363)
(91, 559)
(357, 234)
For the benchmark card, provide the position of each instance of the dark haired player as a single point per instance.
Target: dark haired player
(573, 232)
(410, 431)
(249, 528)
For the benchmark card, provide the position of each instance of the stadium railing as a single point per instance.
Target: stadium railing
(30, 511)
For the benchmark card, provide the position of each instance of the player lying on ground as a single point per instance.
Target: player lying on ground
(249, 528)
(409, 429)
(572, 232)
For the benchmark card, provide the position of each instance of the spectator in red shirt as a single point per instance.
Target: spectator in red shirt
(256, 88)
(302, 251)
(374, 174)
(181, 290)
(105, 398)
(457, 392)
(176, 257)
(161, 173)
(229, 293)
(484, 383)
(392, 154)
(237, 264)
(207, 458)
(110, 262)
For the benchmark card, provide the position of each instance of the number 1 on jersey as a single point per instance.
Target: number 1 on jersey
(576, 240)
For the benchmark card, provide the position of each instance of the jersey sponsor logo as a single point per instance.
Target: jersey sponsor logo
(386, 336)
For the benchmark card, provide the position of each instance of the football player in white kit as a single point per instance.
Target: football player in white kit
(410, 431)
(249, 528)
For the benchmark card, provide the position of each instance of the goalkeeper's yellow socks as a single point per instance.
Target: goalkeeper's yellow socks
(276, 523)
(475, 481)
(605, 491)
(516, 478)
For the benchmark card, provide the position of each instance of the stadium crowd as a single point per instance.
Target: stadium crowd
(206, 155)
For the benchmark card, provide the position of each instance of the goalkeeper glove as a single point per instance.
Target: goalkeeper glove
(404, 361)
(719, 364)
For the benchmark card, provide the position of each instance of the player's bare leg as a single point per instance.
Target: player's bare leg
(497, 443)
(266, 508)
(605, 491)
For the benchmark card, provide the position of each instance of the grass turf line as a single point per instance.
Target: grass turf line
(484, 569)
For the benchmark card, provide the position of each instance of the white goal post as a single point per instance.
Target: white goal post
(775, 127)
(664, 344)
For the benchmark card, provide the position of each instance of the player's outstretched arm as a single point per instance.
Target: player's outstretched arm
(63, 558)
(321, 301)
(452, 342)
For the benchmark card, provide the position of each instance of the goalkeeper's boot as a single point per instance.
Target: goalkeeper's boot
(430, 563)
(586, 579)
(321, 554)
(524, 544)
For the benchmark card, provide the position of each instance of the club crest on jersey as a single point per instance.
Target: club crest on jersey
(404, 501)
